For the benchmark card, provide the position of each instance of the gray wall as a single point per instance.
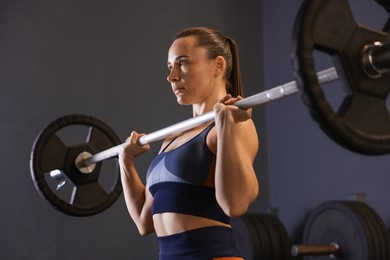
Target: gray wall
(305, 166)
(106, 59)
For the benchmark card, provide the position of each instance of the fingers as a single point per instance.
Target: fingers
(226, 107)
(227, 100)
(224, 99)
(133, 138)
(132, 148)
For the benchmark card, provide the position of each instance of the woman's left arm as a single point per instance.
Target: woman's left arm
(237, 145)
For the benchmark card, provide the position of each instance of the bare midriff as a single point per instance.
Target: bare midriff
(168, 223)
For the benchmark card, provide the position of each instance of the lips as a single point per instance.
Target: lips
(177, 90)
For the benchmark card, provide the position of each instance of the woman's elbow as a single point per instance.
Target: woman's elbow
(145, 230)
(235, 211)
(235, 208)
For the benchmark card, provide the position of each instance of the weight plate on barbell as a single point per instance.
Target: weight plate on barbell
(256, 241)
(268, 237)
(372, 242)
(378, 227)
(278, 236)
(362, 122)
(88, 193)
(242, 237)
(265, 247)
(348, 225)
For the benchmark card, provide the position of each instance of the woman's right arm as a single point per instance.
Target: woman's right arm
(138, 199)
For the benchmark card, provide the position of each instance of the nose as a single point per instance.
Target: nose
(173, 75)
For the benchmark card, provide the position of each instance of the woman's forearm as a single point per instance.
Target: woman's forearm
(136, 198)
(236, 182)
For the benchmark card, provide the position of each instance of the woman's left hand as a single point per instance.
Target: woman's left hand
(225, 109)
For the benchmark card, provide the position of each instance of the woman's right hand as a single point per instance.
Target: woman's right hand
(132, 148)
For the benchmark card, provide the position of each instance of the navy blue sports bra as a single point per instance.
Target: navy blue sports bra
(182, 180)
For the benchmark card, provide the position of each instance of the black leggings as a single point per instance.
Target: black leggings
(207, 243)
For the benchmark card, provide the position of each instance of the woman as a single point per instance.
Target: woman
(202, 176)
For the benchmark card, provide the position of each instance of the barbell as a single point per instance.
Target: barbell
(344, 230)
(362, 60)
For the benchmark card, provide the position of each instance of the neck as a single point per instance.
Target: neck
(208, 104)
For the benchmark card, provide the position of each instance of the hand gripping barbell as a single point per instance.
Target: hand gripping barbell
(362, 124)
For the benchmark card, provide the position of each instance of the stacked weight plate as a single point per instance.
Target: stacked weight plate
(261, 236)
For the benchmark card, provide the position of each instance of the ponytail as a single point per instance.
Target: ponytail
(234, 79)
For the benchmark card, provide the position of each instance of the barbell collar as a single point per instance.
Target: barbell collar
(381, 57)
(375, 59)
(287, 89)
(86, 169)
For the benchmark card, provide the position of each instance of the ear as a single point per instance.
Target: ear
(220, 65)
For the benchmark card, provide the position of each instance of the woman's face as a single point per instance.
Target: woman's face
(192, 74)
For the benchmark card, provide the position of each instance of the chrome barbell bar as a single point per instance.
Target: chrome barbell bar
(281, 91)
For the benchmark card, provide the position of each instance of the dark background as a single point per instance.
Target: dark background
(107, 59)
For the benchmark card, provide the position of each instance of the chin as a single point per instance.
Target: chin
(182, 102)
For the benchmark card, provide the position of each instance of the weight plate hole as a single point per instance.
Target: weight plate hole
(68, 136)
(108, 175)
(335, 91)
(60, 185)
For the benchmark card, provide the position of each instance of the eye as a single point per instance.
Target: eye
(183, 62)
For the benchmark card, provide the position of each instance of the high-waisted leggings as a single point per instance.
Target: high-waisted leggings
(209, 243)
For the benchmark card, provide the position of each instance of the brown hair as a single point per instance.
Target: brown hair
(216, 45)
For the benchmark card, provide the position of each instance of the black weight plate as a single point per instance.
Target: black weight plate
(269, 238)
(272, 237)
(362, 122)
(260, 241)
(265, 237)
(381, 236)
(374, 247)
(263, 234)
(278, 236)
(242, 237)
(257, 246)
(337, 222)
(49, 153)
